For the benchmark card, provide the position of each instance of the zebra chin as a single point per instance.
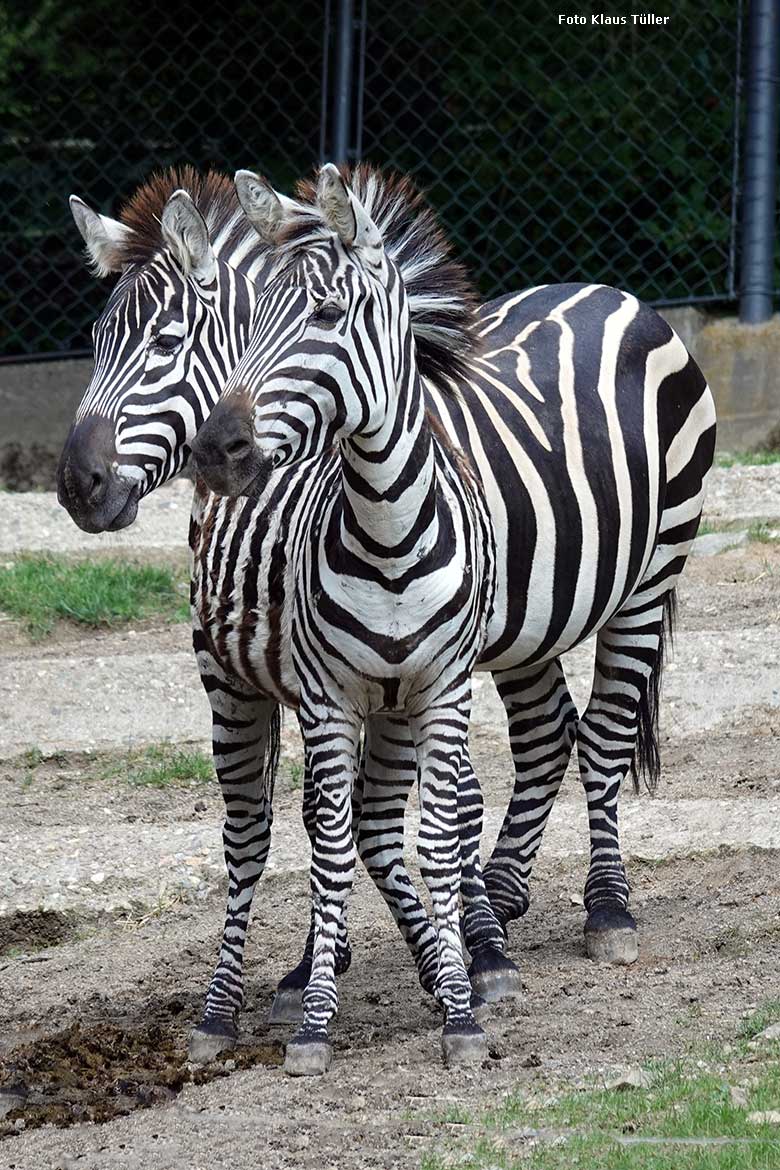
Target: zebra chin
(249, 479)
(226, 456)
(118, 509)
(95, 496)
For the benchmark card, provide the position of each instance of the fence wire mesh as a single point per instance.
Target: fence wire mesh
(552, 151)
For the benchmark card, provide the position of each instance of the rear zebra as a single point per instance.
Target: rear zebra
(592, 432)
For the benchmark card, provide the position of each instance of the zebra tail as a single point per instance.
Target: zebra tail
(273, 746)
(646, 764)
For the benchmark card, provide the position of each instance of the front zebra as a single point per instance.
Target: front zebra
(389, 562)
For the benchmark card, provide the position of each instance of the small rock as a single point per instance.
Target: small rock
(738, 1097)
(713, 543)
(770, 1033)
(765, 1117)
(230, 1066)
(635, 1078)
(576, 899)
(97, 879)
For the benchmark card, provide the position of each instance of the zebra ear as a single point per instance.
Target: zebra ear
(343, 213)
(103, 237)
(185, 233)
(264, 209)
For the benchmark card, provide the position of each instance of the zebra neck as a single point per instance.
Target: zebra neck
(389, 505)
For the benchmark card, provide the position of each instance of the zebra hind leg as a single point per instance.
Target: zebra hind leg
(618, 733)
(245, 736)
(492, 973)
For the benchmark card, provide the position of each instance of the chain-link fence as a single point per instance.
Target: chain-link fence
(552, 151)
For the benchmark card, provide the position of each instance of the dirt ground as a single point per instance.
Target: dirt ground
(100, 981)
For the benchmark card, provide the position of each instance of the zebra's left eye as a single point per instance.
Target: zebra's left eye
(166, 342)
(327, 313)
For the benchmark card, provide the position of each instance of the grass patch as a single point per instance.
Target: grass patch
(768, 1013)
(686, 1119)
(762, 532)
(162, 765)
(748, 459)
(38, 590)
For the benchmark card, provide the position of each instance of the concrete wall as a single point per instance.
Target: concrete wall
(37, 403)
(741, 363)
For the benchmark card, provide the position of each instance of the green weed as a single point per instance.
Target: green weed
(37, 590)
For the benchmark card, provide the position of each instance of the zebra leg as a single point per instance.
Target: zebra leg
(331, 740)
(388, 773)
(619, 722)
(542, 722)
(240, 724)
(287, 1007)
(493, 976)
(440, 736)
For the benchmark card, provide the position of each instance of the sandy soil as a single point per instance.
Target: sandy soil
(101, 980)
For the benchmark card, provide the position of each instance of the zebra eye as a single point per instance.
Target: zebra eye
(166, 342)
(327, 313)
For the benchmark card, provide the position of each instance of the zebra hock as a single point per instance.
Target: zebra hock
(392, 558)
(175, 320)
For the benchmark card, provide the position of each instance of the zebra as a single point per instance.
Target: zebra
(592, 432)
(385, 552)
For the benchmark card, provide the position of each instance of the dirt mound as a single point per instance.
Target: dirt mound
(99, 1071)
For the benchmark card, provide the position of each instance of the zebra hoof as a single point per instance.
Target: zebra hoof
(493, 976)
(287, 1007)
(611, 936)
(207, 1041)
(463, 1045)
(308, 1058)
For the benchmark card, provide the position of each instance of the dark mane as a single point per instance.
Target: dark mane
(442, 301)
(214, 195)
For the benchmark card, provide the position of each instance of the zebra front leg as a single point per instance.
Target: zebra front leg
(493, 976)
(619, 722)
(287, 1007)
(542, 722)
(245, 735)
(440, 736)
(388, 773)
(331, 740)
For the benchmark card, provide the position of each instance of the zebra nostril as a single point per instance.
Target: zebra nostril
(238, 448)
(96, 482)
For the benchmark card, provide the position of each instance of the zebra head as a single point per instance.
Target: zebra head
(331, 338)
(164, 345)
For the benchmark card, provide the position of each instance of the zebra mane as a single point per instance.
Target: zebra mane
(213, 194)
(442, 301)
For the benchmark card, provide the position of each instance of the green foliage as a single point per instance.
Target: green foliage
(749, 459)
(37, 590)
(687, 1119)
(161, 765)
(565, 152)
(552, 152)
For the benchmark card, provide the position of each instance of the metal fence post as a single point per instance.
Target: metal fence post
(760, 175)
(342, 100)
